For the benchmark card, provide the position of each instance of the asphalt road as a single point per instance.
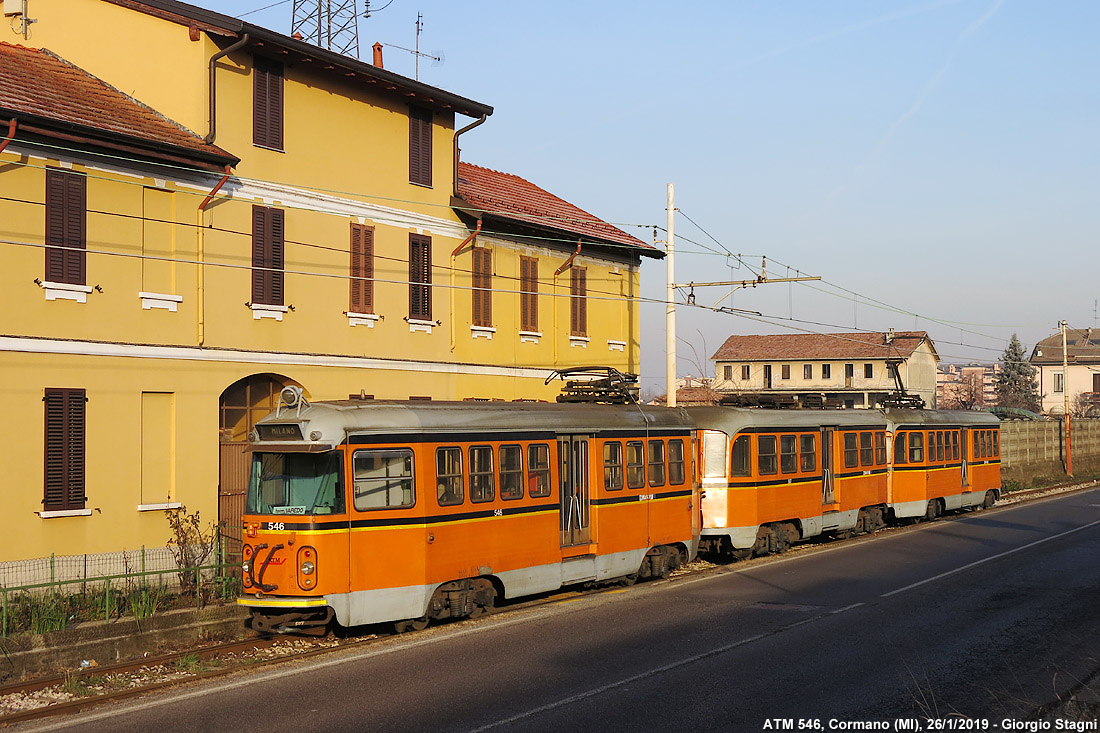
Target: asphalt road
(986, 616)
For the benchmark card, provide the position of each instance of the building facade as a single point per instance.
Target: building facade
(253, 213)
(833, 370)
(1075, 376)
(966, 386)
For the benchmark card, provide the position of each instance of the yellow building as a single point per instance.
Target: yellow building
(254, 212)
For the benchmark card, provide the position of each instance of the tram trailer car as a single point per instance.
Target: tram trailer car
(770, 478)
(370, 512)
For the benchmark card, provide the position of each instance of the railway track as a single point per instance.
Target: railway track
(80, 689)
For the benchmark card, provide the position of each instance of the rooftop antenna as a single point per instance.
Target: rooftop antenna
(416, 52)
(330, 24)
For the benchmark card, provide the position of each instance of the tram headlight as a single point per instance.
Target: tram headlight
(307, 568)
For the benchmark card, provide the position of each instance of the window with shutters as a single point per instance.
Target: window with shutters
(483, 287)
(267, 104)
(64, 469)
(267, 255)
(420, 146)
(362, 269)
(529, 294)
(420, 277)
(578, 302)
(66, 231)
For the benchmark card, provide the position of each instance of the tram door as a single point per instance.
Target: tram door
(827, 495)
(964, 453)
(575, 497)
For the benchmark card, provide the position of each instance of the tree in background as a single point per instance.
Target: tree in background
(966, 393)
(1015, 383)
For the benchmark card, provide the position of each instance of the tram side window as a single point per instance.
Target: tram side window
(741, 461)
(900, 454)
(996, 443)
(851, 450)
(612, 465)
(481, 473)
(982, 452)
(788, 454)
(866, 449)
(954, 436)
(656, 463)
(383, 479)
(765, 454)
(916, 447)
(635, 468)
(450, 488)
(808, 453)
(676, 473)
(939, 445)
(880, 449)
(511, 472)
(538, 470)
(714, 454)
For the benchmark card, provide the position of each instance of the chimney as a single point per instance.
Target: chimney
(378, 54)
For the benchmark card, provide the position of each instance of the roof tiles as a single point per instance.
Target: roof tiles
(36, 82)
(508, 196)
(819, 346)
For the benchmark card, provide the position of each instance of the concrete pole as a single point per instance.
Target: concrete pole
(1065, 402)
(670, 306)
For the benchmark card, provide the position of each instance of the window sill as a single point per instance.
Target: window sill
(66, 291)
(362, 319)
(159, 507)
(613, 345)
(160, 300)
(268, 147)
(421, 185)
(581, 341)
(530, 336)
(486, 331)
(263, 310)
(65, 513)
(415, 324)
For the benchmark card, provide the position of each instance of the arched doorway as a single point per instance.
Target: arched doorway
(239, 407)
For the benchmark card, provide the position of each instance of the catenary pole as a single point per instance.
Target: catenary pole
(670, 306)
(1065, 402)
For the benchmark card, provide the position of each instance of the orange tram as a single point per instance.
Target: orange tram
(376, 512)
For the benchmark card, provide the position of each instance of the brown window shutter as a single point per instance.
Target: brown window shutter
(578, 313)
(259, 254)
(267, 104)
(267, 255)
(482, 290)
(529, 299)
(65, 456)
(362, 269)
(420, 277)
(66, 223)
(420, 146)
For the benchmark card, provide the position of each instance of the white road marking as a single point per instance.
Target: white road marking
(976, 563)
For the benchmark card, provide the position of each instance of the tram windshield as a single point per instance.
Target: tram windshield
(295, 483)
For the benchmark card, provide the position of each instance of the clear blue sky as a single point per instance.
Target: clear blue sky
(939, 157)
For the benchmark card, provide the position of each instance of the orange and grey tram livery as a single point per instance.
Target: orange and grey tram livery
(369, 512)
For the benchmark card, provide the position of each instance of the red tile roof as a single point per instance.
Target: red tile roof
(508, 196)
(795, 346)
(1082, 347)
(35, 82)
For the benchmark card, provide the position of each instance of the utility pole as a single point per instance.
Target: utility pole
(670, 305)
(1065, 401)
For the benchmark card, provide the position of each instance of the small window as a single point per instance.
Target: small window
(727, 372)
(765, 454)
(939, 445)
(954, 436)
(996, 443)
(868, 371)
(807, 371)
(866, 451)
(676, 472)
(612, 465)
(450, 489)
(982, 453)
(900, 454)
(880, 449)
(916, 447)
(808, 452)
(635, 467)
(482, 486)
(851, 450)
(656, 463)
(383, 479)
(1059, 382)
(785, 371)
(741, 461)
(788, 454)
(511, 472)
(826, 371)
(538, 470)
(744, 372)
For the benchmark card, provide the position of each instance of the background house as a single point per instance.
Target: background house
(253, 213)
(834, 369)
(1079, 379)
